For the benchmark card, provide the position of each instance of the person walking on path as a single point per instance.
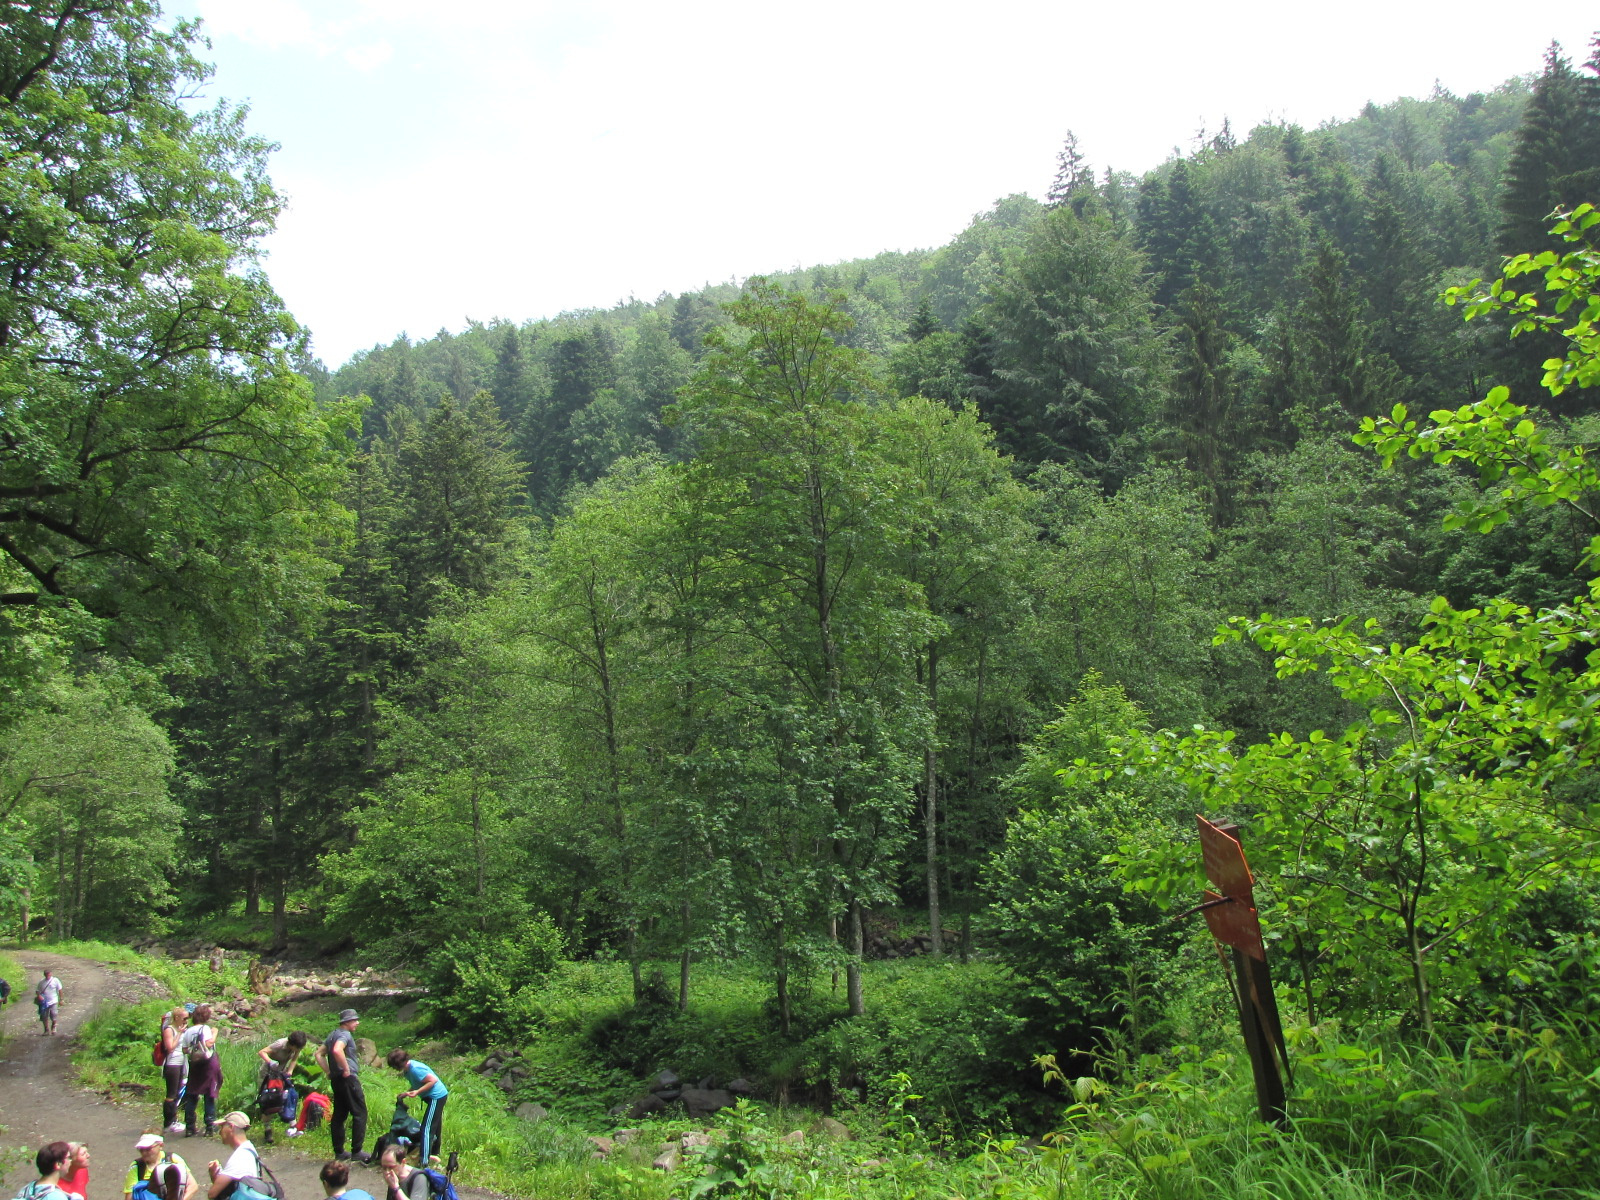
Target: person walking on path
(243, 1162)
(48, 997)
(199, 1046)
(340, 1059)
(150, 1162)
(426, 1084)
(5, 991)
(174, 1066)
(50, 1161)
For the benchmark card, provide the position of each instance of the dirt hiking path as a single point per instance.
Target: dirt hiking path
(40, 1103)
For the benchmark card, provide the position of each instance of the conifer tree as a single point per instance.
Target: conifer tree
(923, 323)
(1550, 164)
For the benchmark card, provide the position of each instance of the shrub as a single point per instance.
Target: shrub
(484, 987)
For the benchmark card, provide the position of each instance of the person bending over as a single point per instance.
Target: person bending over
(426, 1084)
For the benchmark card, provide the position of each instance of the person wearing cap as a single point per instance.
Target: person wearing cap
(150, 1158)
(242, 1163)
(339, 1057)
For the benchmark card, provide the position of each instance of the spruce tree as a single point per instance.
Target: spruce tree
(1550, 165)
(923, 323)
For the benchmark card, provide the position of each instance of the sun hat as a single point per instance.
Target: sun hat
(237, 1119)
(148, 1140)
(349, 1014)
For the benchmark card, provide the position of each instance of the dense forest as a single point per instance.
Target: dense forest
(764, 622)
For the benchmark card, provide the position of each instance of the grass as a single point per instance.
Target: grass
(1493, 1115)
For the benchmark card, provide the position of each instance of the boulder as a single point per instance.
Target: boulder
(644, 1106)
(665, 1081)
(626, 1137)
(695, 1140)
(489, 1065)
(742, 1088)
(532, 1113)
(702, 1102)
(519, 1073)
(835, 1129)
(368, 1050)
(707, 1083)
(602, 1146)
(506, 1084)
(797, 1138)
(668, 1159)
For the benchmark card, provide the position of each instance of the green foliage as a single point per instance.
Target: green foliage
(1085, 948)
(483, 986)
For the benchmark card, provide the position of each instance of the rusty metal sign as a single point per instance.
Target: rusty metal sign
(1230, 914)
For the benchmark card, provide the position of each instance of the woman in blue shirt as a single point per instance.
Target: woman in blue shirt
(426, 1084)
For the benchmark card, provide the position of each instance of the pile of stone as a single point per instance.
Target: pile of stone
(508, 1070)
(700, 1100)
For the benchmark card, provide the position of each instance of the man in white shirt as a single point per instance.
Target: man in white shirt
(47, 996)
(242, 1163)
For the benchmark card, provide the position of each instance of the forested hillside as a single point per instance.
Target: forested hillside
(767, 623)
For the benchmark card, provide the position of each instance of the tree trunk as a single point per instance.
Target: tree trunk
(280, 908)
(930, 788)
(782, 981)
(852, 967)
(683, 964)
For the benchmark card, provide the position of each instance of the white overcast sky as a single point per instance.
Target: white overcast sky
(515, 159)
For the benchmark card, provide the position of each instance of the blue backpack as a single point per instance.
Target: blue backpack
(439, 1184)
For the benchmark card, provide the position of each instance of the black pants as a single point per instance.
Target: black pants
(169, 1107)
(432, 1126)
(348, 1101)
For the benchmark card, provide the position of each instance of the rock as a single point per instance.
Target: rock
(217, 957)
(626, 1137)
(707, 1083)
(488, 1065)
(668, 1160)
(702, 1102)
(519, 1073)
(835, 1129)
(616, 1110)
(665, 1081)
(531, 1112)
(407, 1012)
(506, 1084)
(742, 1088)
(603, 1146)
(695, 1140)
(874, 1162)
(797, 1138)
(644, 1106)
(669, 1095)
(368, 1049)
(232, 993)
(134, 1087)
(243, 1009)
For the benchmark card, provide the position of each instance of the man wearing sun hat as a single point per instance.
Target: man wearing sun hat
(341, 1059)
(242, 1163)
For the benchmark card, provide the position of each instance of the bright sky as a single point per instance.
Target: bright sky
(515, 159)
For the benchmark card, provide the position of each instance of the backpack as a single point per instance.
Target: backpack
(404, 1127)
(194, 1045)
(144, 1188)
(264, 1186)
(439, 1184)
(271, 1096)
(34, 1191)
(313, 1111)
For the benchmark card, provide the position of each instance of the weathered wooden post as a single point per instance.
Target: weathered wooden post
(1230, 914)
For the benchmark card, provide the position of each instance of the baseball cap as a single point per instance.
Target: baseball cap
(148, 1140)
(237, 1119)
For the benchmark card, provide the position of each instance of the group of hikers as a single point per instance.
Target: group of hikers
(158, 1174)
(192, 1072)
(186, 1051)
